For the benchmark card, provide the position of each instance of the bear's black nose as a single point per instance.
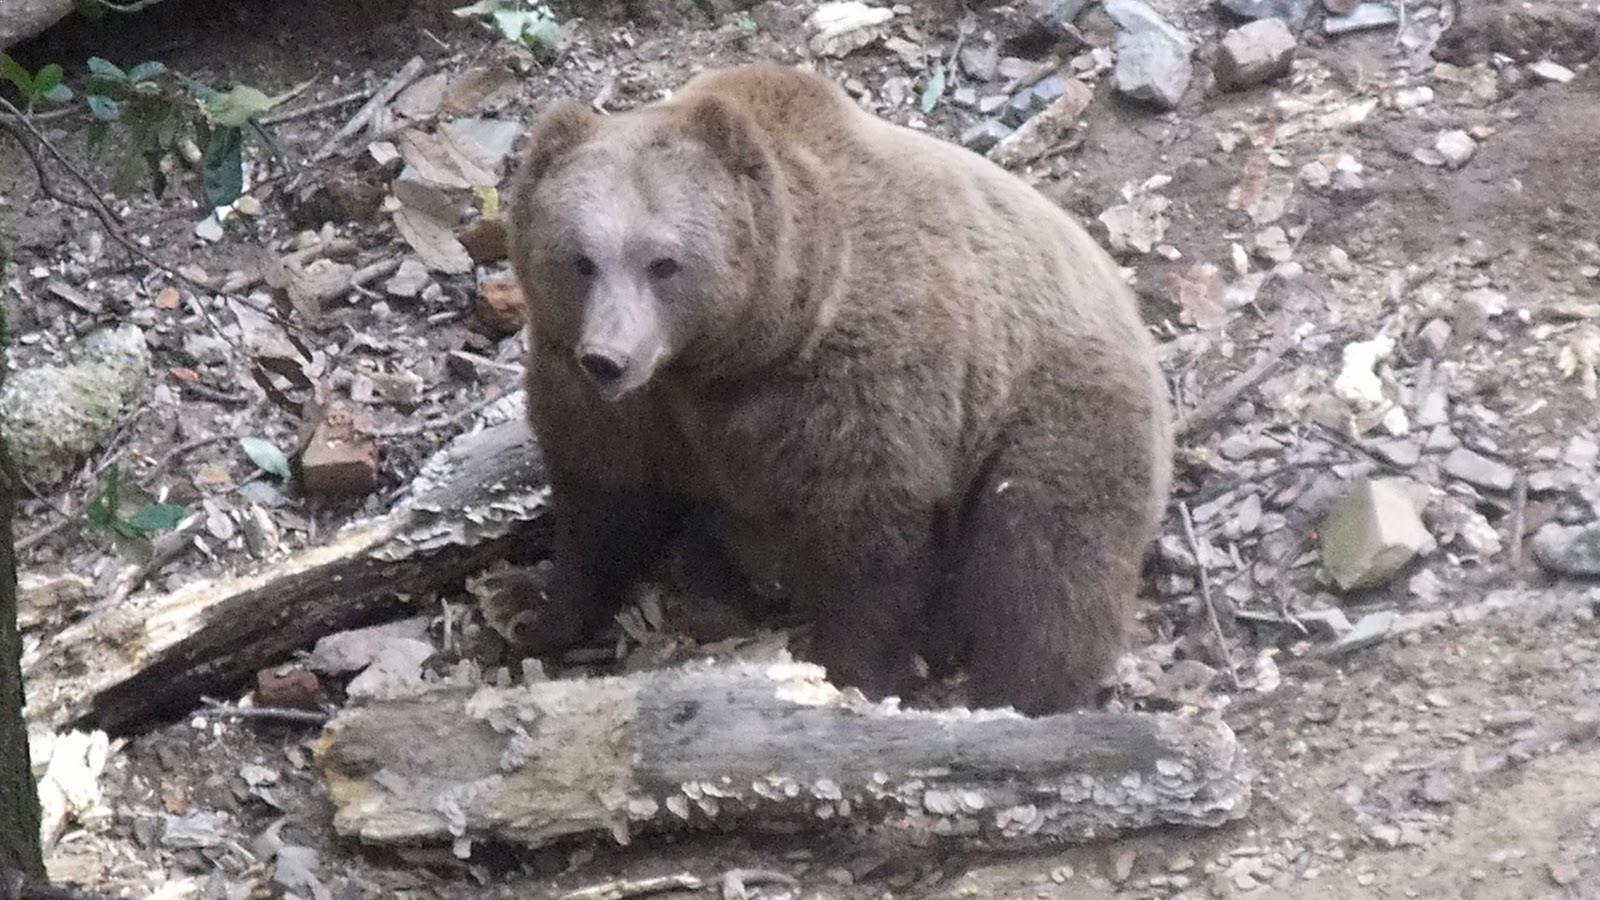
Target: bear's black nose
(600, 367)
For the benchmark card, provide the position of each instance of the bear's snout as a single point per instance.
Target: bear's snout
(604, 369)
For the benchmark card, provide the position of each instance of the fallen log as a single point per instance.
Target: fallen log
(762, 747)
(477, 500)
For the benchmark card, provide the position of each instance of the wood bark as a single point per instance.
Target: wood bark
(481, 498)
(761, 747)
(19, 799)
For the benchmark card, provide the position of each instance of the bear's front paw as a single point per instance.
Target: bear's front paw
(518, 604)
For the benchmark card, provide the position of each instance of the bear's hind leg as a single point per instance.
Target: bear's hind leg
(1049, 548)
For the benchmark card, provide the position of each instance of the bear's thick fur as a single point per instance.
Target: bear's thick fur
(902, 384)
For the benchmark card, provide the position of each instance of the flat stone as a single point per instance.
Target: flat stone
(983, 137)
(1568, 549)
(1153, 63)
(1152, 69)
(1398, 452)
(1365, 17)
(981, 61)
(1254, 54)
(1456, 147)
(1479, 470)
(1293, 13)
(408, 280)
(1371, 534)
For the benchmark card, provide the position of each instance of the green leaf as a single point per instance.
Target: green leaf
(934, 89)
(266, 455)
(234, 107)
(12, 71)
(155, 517)
(46, 80)
(103, 108)
(146, 70)
(106, 70)
(222, 167)
(59, 94)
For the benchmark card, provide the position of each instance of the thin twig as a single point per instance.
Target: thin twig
(407, 74)
(1519, 517)
(1205, 593)
(1204, 417)
(317, 108)
(280, 714)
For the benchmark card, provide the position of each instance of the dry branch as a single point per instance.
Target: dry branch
(151, 655)
(760, 747)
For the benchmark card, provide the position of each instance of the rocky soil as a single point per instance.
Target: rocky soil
(1366, 235)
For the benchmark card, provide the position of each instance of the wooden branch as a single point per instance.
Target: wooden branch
(150, 656)
(380, 98)
(760, 746)
(1204, 417)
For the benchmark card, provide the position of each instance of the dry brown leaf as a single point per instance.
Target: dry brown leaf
(169, 298)
(440, 162)
(1198, 291)
(478, 89)
(434, 241)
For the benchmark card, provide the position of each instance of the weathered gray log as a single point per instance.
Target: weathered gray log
(476, 501)
(760, 747)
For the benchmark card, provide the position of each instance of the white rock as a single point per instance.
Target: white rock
(1456, 147)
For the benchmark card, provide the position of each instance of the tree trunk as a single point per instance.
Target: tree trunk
(19, 802)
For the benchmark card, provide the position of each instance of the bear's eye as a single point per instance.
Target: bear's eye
(664, 268)
(584, 266)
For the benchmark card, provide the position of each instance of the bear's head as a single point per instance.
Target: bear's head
(644, 241)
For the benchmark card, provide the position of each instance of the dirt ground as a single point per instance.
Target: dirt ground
(1459, 761)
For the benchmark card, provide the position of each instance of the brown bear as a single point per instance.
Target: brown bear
(902, 385)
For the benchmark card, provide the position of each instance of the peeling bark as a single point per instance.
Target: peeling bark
(760, 747)
(478, 500)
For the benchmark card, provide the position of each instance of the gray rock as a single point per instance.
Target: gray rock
(993, 104)
(1365, 17)
(1050, 89)
(408, 280)
(1371, 534)
(1152, 69)
(1254, 54)
(965, 97)
(1436, 337)
(1293, 13)
(983, 136)
(1398, 452)
(54, 416)
(1568, 549)
(1479, 470)
(352, 651)
(981, 62)
(1152, 56)
(1456, 147)
(1057, 16)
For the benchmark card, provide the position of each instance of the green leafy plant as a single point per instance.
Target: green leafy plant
(130, 515)
(933, 90)
(266, 455)
(35, 87)
(529, 24)
(153, 110)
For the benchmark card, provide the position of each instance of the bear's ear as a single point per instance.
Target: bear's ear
(730, 133)
(563, 126)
